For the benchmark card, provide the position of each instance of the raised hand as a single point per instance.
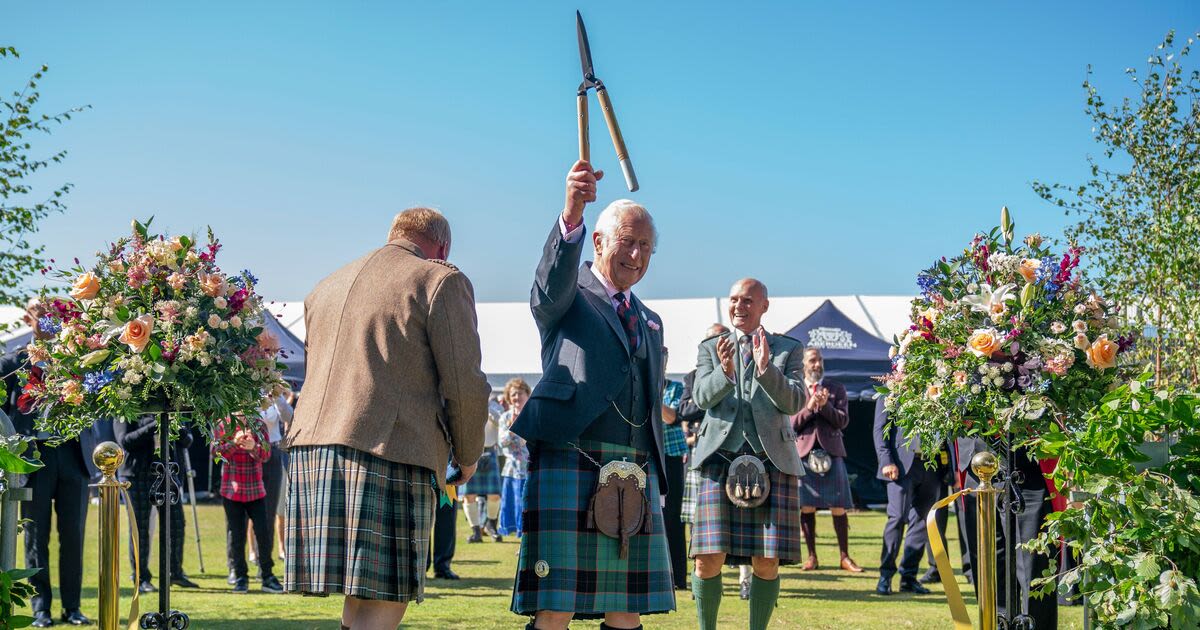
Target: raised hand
(581, 190)
(725, 352)
(762, 351)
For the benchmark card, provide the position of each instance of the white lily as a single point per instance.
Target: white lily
(991, 301)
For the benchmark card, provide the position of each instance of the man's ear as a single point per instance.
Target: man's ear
(597, 243)
(766, 305)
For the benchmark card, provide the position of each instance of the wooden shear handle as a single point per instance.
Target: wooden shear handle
(585, 149)
(614, 130)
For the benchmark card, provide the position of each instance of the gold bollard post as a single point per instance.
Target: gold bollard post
(108, 457)
(985, 465)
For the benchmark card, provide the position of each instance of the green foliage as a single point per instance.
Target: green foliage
(21, 209)
(1138, 213)
(14, 590)
(1138, 533)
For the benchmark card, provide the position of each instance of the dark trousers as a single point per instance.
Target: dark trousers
(444, 532)
(672, 509)
(942, 519)
(273, 473)
(1043, 610)
(141, 496)
(236, 513)
(909, 501)
(60, 485)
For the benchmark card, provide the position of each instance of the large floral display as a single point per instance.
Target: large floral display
(153, 325)
(1005, 338)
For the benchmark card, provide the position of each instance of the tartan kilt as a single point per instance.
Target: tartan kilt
(358, 524)
(771, 530)
(585, 574)
(486, 479)
(829, 490)
(691, 486)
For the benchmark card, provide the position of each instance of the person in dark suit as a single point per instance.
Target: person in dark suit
(912, 489)
(140, 441)
(819, 427)
(749, 384)
(598, 402)
(61, 486)
(1034, 491)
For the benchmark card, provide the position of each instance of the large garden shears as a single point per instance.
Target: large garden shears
(590, 81)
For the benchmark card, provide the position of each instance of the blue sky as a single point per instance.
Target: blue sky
(826, 148)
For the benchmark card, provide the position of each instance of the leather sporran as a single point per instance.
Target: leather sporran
(819, 461)
(747, 483)
(619, 507)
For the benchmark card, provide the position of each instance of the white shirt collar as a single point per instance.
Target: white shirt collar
(609, 288)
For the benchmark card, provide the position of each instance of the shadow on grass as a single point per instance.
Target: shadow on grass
(274, 624)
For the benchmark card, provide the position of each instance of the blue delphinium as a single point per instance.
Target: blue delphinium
(928, 283)
(49, 325)
(1045, 276)
(96, 381)
(244, 280)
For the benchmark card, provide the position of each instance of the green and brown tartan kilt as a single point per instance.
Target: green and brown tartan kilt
(771, 530)
(358, 524)
(580, 570)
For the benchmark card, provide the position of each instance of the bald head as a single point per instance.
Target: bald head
(747, 303)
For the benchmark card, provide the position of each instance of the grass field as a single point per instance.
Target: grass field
(825, 599)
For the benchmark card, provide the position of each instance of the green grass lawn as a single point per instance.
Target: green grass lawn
(825, 599)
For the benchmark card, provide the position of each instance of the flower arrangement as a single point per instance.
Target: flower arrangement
(154, 321)
(1004, 339)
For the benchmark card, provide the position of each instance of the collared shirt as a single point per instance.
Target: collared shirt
(516, 453)
(573, 236)
(242, 473)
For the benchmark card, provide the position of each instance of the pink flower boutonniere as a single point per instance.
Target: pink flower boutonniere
(651, 323)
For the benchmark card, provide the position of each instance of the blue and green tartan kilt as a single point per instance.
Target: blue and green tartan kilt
(582, 572)
(358, 524)
(829, 490)
(486, 479)
(771, 530)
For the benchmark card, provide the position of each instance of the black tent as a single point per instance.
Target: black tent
(853, 357)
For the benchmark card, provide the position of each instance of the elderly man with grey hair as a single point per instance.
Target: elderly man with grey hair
(596, 407)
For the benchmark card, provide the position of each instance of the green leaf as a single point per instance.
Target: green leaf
(15, 463)
(22, 574)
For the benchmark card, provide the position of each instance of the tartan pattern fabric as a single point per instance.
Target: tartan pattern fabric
(691, 485)
(486, 479)
(584, 573)
(242, 472)
(674, 442)
(358, 524)
(629, 319)
(771, 530)
(829, 490)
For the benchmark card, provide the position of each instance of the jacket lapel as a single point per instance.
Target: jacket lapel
(595, 294)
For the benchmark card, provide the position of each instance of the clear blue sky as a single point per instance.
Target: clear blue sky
(823, 147)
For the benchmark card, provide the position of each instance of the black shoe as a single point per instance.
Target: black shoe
(884, 587)
(241, 585)
(184, 581)
(270, 584)
(446, 575)
(146, 586)
(232, 579)
(930, 577)
(42, 619)
(75, 618)
(914, 587)
(476, 535)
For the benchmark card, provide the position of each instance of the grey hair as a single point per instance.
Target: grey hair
(612, 215)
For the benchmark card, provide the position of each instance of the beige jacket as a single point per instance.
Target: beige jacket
(393, 361)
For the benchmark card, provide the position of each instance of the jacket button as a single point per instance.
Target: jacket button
(724, 431)
(608, 398)
(625, 369)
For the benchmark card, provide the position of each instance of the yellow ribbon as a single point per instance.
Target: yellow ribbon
(958, 608)
(137, 565)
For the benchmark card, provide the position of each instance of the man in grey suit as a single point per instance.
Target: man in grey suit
(598, 403)
(749, 383)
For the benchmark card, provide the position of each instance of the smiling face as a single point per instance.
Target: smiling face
(814, 364)
(623, 255)
(747, 303)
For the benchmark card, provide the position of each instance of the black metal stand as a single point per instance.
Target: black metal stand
(165, 493)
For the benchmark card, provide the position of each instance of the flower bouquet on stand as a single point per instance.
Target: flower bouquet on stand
(153, 327)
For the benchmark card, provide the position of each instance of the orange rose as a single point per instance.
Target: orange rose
(86, 287)
(137, 333)
(1028, 269)
(1102, 354)
(213, 284)
(984, 342)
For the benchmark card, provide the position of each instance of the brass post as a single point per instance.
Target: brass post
(108, 457)
(985, 465)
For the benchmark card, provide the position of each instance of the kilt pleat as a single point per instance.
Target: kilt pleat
(358, 524)
(829, 490)
(486, 479)
(691, 485)
(771, 530)
(581, 570)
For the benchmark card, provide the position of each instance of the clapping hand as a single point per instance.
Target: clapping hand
(244, 440)
(725, 352)
(762, 351)
(818, 398)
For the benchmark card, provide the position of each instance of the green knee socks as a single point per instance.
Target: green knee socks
(763, 595)
(708, 600)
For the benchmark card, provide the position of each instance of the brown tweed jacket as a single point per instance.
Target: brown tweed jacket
(393, 361)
